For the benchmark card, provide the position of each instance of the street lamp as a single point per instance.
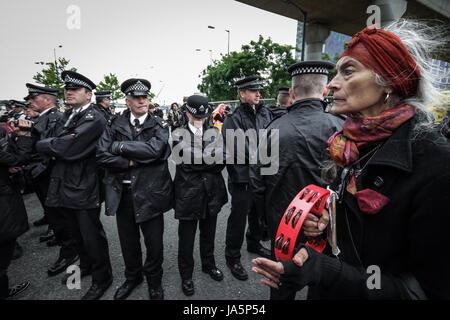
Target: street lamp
(54, 53)
(227, 31)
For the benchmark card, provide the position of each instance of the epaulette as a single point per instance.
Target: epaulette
(163, 123)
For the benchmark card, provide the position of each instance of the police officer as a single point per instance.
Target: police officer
(43, 100)
(249, 115)
(74, 184)
(103, 103)
(283, 101)
(200, 191)
(303, 136)
(134, 150)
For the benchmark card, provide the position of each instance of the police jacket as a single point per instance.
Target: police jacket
(44, 127)
(277, 111)
(199, 186)
(403, 248)
(303, 136)
(13, 216)
(151, 183)
(246, 119)
(74, 181)
(105, 112)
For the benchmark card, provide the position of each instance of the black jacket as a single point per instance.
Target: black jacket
(105, 112)
(277, 111)
(407, 239)
(151, 182)
(243, 118)
(13, 215)
(199, 187)
(303, 136)
(44, 127)
(74, 181)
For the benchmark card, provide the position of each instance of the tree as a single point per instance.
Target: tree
(264, 57)
(51, 76)
(110, 82)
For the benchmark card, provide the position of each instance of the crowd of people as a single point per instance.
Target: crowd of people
(376, 146)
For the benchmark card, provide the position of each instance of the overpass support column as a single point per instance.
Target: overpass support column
(316, 34)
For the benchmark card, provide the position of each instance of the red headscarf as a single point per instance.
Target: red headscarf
(385, 53)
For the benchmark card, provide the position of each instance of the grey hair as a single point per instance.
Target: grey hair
(422, 39)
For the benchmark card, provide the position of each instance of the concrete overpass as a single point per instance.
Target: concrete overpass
(349, 16)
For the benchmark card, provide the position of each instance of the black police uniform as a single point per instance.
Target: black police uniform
(106, 112)
(200, 193)
(13, 216)
(74, 184)
(138, 195)
(303, 136)
(39, 167)
(242, 204)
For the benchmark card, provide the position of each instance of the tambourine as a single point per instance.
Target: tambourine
(311, 199)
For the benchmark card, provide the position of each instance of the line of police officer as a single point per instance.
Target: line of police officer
(74, 152)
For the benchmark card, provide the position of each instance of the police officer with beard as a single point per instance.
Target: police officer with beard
(43, 101)
(74, 183)
(249, 115)
(134, 151)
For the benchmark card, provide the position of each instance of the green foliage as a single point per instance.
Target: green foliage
(264, 57)
(51, 76)
(110, 82)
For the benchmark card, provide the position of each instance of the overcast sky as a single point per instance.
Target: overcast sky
(156, 40)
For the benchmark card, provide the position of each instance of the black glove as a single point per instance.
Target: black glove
(317, 269)
(116, 148)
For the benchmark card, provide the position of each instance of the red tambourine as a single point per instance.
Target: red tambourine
(312, 199)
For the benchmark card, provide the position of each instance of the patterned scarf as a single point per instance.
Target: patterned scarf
(359, 133)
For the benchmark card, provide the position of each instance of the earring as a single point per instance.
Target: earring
(387, 97)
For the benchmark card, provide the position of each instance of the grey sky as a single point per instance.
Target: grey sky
(155, 40)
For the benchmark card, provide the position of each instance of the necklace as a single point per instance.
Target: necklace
(350, 170)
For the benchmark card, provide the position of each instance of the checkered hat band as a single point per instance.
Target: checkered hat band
(191, 110)
(138, 86)
(253, 83)
(310, 70)
(69, 79)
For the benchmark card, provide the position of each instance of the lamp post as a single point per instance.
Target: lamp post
(227, 31)
(54, 54)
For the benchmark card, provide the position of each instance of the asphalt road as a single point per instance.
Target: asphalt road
(37, 257)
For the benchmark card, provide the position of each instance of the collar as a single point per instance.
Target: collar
(81, 109)
(396, 151)
(141, 118)
(308, 101)
(45, 111)
(194, 129)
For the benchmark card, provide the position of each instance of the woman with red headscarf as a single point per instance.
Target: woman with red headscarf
(393, 181)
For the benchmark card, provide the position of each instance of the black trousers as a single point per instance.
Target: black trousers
(40, 186)
(186, 238)
(242, 206)
(130, 242)
(6, 254)
(58, 219)
(92, 246)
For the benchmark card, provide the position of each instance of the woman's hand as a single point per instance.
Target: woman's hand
(271, 270)
(313, 226)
